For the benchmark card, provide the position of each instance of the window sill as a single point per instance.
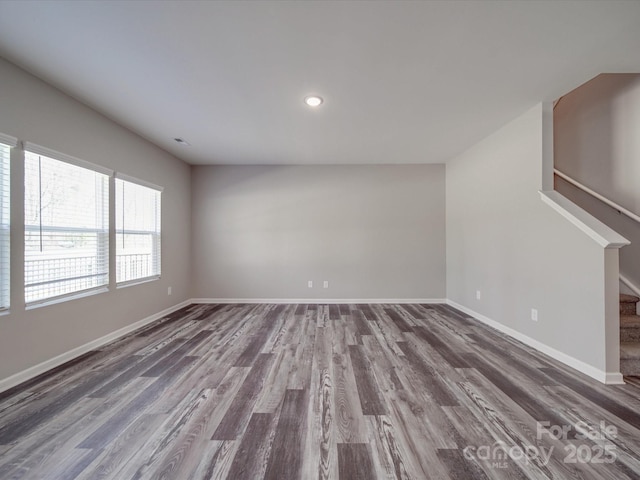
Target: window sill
(65, 298)
(137, 281)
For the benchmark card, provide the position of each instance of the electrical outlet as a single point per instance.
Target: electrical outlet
(534, 314)
(310, 284)
(169, 291)
(478, 295)
(325, 284)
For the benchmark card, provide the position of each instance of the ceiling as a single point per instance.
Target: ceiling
(402, 81)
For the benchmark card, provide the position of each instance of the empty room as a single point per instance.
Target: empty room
(273, 239)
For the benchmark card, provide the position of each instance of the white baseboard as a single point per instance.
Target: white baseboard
(613, 378)
(318, 301)
(609, 378)
(36, 370)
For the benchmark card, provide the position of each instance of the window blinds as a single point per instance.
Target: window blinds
(66, 208)
(137, 231)
(6, 143)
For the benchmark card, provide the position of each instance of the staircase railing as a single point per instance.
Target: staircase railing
(612, 204)
(595, 194)
(630, 285)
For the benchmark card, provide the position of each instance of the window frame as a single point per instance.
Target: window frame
(102, 235)
(5, 227)
(156, 235)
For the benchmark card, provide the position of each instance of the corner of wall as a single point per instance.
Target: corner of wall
(503, 241)
(546, 182)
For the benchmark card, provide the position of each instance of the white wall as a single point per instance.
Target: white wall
(597, 142)
(505, 242)
(34, 111)
(374, 232)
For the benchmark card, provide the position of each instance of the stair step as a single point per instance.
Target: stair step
(630, 358)
(630, 328)
(628, 304)
(629, 298)
(630, 350)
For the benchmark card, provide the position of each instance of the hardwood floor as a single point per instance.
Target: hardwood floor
(318, 392)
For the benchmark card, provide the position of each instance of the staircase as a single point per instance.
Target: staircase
(629, 336)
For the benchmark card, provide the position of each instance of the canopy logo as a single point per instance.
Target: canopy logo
(597, 447)
(498, 454)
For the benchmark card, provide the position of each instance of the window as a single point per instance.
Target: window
(66, 209)
(5, 214)
(137, 231)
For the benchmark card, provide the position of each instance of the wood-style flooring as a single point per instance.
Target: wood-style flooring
(318, 392)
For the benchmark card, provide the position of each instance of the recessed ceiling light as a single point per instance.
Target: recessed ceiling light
(182, 141)
(313, 101)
